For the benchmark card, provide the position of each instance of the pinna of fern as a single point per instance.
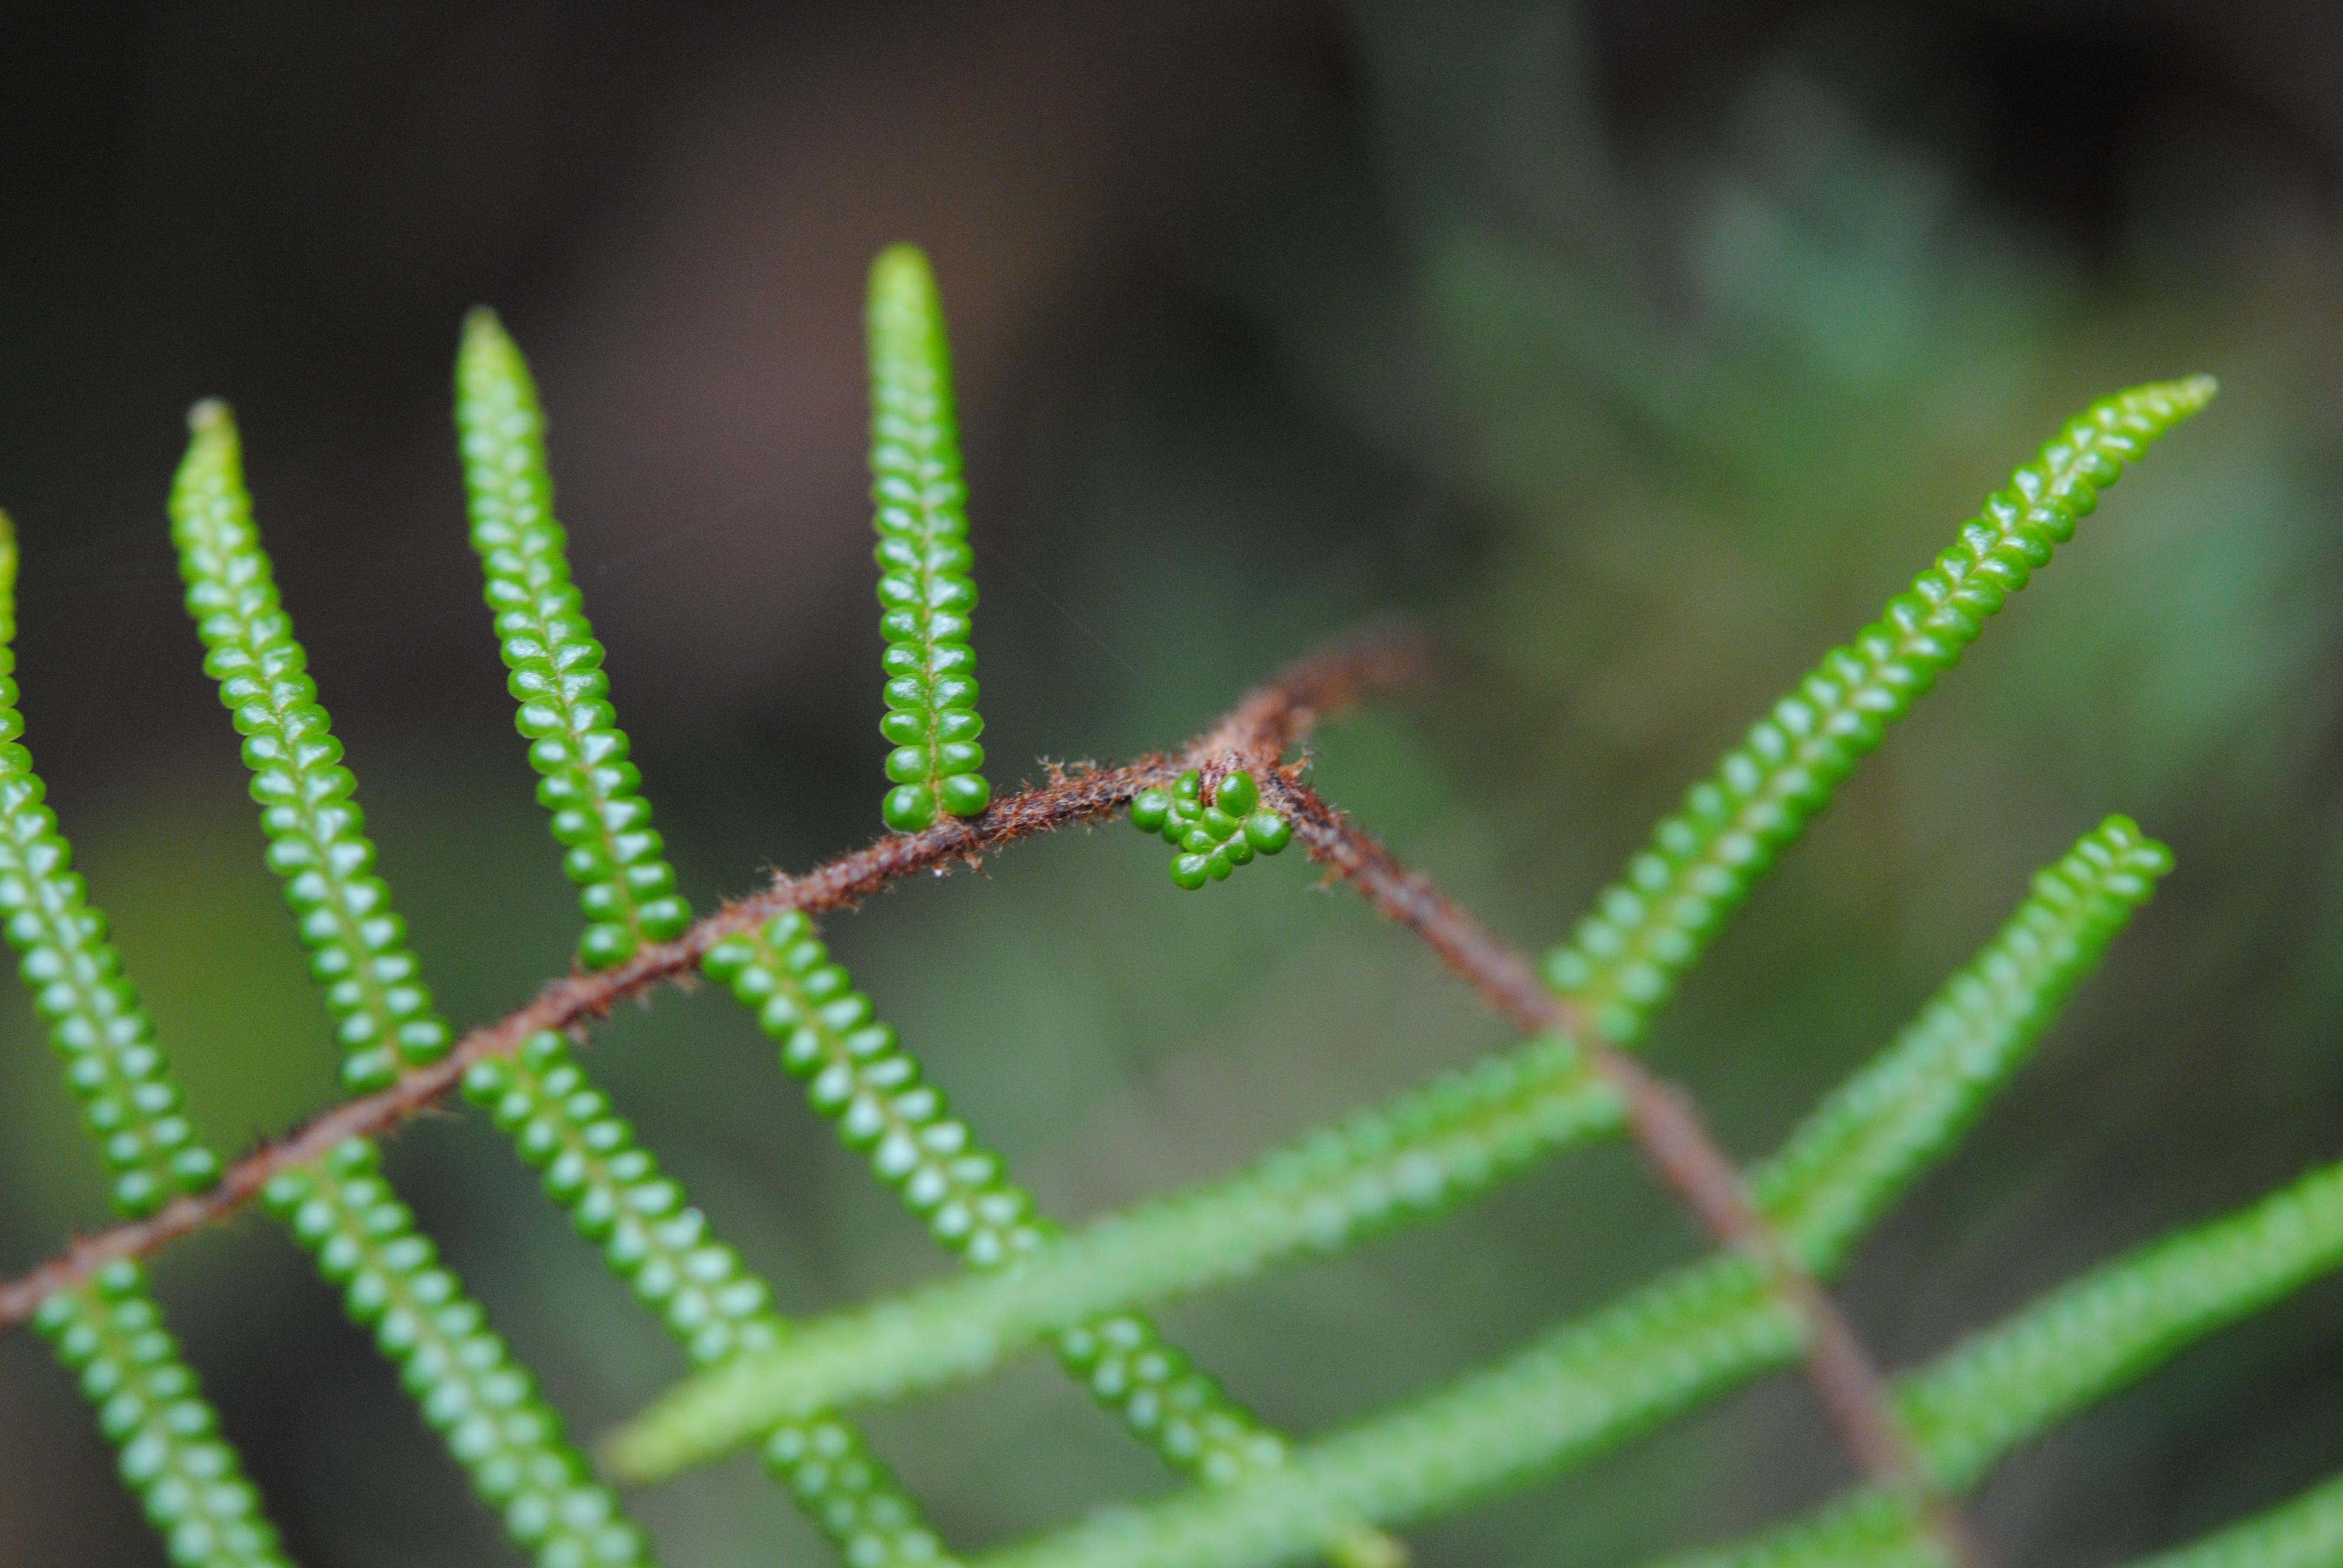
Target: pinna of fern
(364, 1237)
(189, 1478)
(650, 1235)
(1647, 928)
(925, 593)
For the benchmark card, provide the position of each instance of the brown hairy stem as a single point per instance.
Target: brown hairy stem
(1269, 719)
(1675, 1137)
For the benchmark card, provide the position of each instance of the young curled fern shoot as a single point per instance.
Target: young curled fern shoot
(626, 889)
(131, 1104)
(1622, 961)
(925, 593)
(1861, 1148)
(1213, 837)
(659, 1245)
(383, 1015)
(188, 1479)
(457, 1368)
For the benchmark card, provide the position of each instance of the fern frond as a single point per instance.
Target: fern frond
(925, 593)
(1437, 1145)
(1864, 1145)
(1624, 960)
(1213, 837)
(357, 948)
(187, 1478)
(659, 1245)
(457, 1369)
(600, 816)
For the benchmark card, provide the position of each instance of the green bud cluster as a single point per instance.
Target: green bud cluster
(1624, 960)
(1213, 837)
(659, 1245)
(383, 1015)
(600, 816)
(188, 1480)
(457, 1369)
(925, 592)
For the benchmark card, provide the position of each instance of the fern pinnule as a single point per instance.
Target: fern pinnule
(655, 1241)
(925, 593)
(364, 1238)
(131, 1104)
(458, 1370)
(1215, 835)
(558, 1120)
(2006, 1385)
(188, 1479)
(2306, 1532)
(382, 1012)
(1857, 1152)
(599, 814)
(1439, 1144)
(861, 1077)
(1622, 961)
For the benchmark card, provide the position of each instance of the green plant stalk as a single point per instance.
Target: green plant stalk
(1622, 961)
(861, 1078)
(651, 1238)
(457, 1368)
(925, 593)
(2000, 1389)
(1437, 1145)
(559, 1123)
(187, 1477)
(626, 889)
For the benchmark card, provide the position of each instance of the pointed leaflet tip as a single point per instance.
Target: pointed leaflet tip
(210, 415)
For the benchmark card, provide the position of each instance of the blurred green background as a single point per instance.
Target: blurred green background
(1642, 346)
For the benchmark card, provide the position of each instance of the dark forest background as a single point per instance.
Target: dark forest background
(1641, 348)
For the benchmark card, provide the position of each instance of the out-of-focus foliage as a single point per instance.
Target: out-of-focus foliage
(1645, 398)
